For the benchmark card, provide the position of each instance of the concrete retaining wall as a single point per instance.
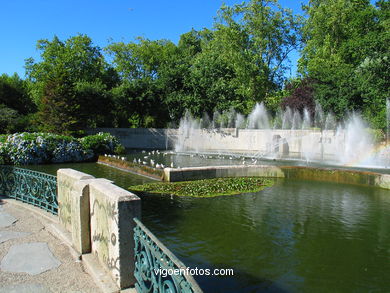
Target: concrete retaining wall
(278, 142)
(197, 173)
(293, 172)
(99, 216)
(142, 138)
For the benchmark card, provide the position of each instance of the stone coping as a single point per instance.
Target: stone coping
(365, 178)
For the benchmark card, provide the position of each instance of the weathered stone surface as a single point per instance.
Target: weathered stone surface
(6, 219)
(25, 288)
(7, 235)
(80, 217)
(66, 178)
(296, 172)
(32, 258)
(112, 211)
(141, 138)
(80, 214)
(383, 181)
(196, 173)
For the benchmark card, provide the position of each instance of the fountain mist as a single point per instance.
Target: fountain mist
(290, 135)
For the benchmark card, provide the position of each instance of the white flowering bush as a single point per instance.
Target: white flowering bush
(101, 143)
(40, 148)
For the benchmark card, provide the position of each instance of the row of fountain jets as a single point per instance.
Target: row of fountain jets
(260, 118)
(353, 132)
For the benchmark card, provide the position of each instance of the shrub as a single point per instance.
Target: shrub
(38, 148)
(101, 143)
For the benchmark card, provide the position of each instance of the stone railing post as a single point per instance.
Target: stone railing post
(112, 211)
(73, 206)
(99, 214)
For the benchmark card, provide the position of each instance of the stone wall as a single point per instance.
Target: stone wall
(293, 172)
(99, 216)
(278, 142)
(197, 173)
(142, 138)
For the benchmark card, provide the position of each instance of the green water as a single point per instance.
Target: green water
(297, 236)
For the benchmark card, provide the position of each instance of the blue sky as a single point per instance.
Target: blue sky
(23, 22)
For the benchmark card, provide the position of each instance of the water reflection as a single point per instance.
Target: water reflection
(297, 236)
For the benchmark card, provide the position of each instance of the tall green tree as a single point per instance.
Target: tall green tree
(88, 76)
(143, 67)
(58, 106)
(346, 52)
(13, 94)
(247, 56)
(16, 107)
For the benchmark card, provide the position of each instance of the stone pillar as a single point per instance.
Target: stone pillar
(112, 210)
(66, 180)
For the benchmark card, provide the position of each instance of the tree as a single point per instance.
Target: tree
(13, 94)
(246, 57)
(145, 69)
(300, 97)
(236, 64)
(88, 79)
(346, 55)
(58, 107)
(8, 119)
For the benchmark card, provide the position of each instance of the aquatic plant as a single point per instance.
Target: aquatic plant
(206, 187)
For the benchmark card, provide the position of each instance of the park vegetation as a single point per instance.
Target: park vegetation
(44, 148)
(243, 59)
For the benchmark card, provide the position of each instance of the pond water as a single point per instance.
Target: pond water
(193, 159)
(297, 236)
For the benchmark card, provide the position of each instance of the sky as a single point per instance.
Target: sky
(24, 22)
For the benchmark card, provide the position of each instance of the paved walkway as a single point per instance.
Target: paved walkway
(32, 260)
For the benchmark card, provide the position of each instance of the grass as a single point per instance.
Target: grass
(206, 187)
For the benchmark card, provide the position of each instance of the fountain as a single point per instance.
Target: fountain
(289, 135)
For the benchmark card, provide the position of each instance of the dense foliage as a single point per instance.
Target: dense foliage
(206, 187)
(38, 148)
(347, 55)
(241, 60)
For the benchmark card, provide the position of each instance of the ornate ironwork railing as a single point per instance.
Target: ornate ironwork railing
(32, 187)
(151, 259)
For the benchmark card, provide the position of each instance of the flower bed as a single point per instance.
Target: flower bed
(41, 148)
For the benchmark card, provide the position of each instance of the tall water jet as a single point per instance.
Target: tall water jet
(296, 121)
(240, 121)
(230, 117)
(185, 127)
(287, 118)
(349, 143)
(319, 116)
(306, 123)
(216, 120)
(330, 122)
(357, 142)
(258, 118)
(205, 121)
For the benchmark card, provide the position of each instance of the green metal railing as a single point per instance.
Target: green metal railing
(151, 259)
(32, 187)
